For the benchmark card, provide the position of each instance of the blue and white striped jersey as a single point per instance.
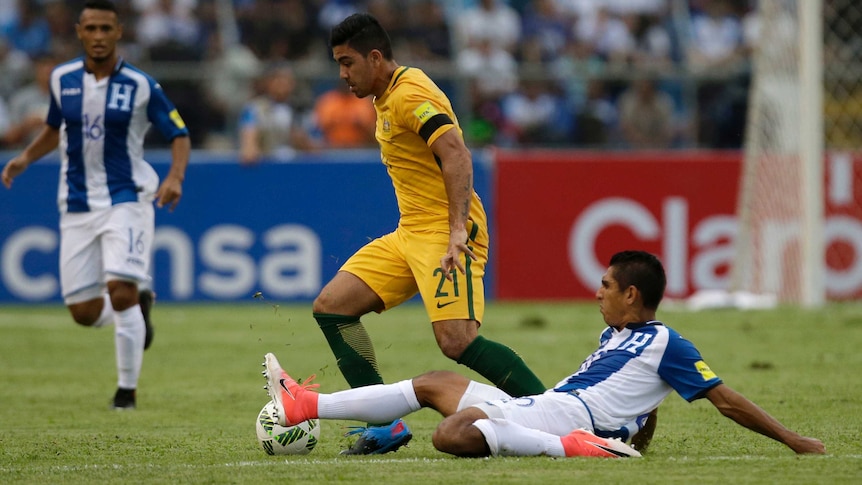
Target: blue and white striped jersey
(102, 128)
(632, 371)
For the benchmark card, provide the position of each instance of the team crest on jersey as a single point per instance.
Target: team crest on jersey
(386, 126)
(425, 112)
(121, 96)
(704, 370)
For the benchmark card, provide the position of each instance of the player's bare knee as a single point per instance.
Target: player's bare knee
(451, 352)
(452, 348)
(433, 378)
(430, 385)
(444, 439)
(83, 315)
(457, 436)
(83, 320)
(124, 302)
(321, 304)
(124, 294)
(454, 336)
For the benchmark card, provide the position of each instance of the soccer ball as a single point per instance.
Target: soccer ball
(285, 440)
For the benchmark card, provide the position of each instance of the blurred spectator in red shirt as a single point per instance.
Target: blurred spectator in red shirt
(344, 121)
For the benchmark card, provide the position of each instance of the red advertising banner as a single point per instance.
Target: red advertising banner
(560, 215)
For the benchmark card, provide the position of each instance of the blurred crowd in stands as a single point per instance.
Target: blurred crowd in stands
(256, 76)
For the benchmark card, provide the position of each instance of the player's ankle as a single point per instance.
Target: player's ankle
(308, 404)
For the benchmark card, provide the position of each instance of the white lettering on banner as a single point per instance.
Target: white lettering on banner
(840, 282)
(840, 188)
(712, 239)
(595, 218)
(291, 265)
(675, 251)
(224, 249)
(848, 230)
(16, 279)
(716, 234)
(296, 269)
(180, 248)
(781, 235)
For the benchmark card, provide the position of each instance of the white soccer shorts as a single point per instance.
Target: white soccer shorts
(558, 413)
(101, 246)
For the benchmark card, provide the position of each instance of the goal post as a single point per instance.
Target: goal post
(780, 244)
(811, 150)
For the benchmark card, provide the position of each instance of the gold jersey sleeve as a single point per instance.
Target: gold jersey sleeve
(411, 115)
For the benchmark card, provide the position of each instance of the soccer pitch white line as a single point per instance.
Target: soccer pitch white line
(240, 464)
(367, 462)
(758, 458)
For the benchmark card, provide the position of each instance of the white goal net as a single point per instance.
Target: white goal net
(800, 203)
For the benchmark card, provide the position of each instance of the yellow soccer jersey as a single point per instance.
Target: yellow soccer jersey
(411, 115)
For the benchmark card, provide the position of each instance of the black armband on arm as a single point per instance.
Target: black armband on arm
(431, 125)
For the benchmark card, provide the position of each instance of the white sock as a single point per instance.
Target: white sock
(129, 343)
(506, 438)
(382, 403)
(107, 315)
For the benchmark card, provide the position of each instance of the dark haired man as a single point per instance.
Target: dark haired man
(440, 247)
(100, 110)
(592, 412)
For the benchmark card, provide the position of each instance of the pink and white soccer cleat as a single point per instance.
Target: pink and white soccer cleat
(581, 442)
(294, 402)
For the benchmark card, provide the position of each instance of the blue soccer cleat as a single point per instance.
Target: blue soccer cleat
(376, 440)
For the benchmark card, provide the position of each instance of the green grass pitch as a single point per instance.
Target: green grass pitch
(201, 390)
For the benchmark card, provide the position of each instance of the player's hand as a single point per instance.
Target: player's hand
(169, 194)
(452, 258)
(642, 439)
(14, 168)
(806, 445)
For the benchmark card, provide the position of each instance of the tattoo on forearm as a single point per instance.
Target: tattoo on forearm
(468, 190)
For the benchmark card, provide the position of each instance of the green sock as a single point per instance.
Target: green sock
(352, 348)
(502, 366)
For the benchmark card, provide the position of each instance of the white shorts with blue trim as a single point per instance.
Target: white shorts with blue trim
(558, 413)
(105, 245)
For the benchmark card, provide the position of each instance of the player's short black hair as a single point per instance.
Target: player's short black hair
(362, 33)
(642, 270)
(101, 5)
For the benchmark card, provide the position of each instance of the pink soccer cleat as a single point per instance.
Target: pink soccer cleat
(294, 402)
(581, 442)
